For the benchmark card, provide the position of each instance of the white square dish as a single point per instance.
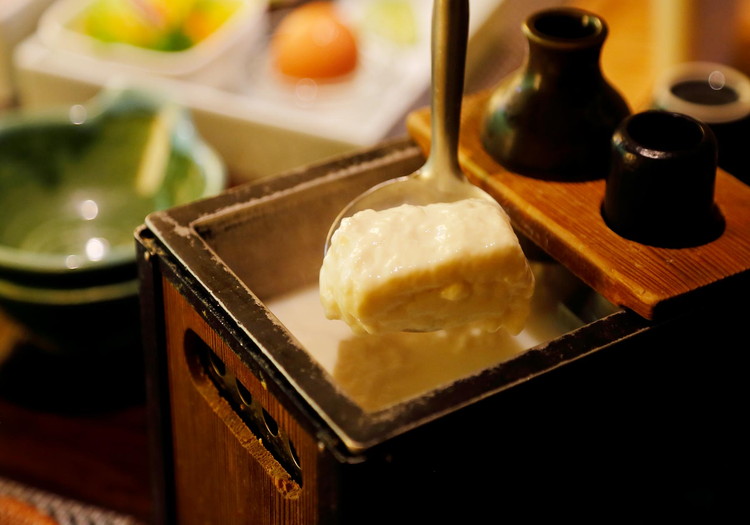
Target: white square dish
(259, 125)
(213, 60)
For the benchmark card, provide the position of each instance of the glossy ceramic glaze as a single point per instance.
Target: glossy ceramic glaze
(75, 183)
(553, 118)
(660, 190)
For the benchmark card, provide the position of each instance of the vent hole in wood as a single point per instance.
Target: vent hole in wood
(205, 364)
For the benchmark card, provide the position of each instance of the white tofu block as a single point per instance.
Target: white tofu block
(426, 268)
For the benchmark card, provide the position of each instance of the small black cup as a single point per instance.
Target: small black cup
(660, 189)
(718, 95)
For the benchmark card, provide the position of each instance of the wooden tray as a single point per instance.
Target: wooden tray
(564, 219)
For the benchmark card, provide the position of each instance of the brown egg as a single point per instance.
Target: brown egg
(313, 42)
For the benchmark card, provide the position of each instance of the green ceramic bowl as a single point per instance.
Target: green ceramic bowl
(74, 185)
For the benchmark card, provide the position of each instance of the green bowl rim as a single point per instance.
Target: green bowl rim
(23, 262)
(16, 293)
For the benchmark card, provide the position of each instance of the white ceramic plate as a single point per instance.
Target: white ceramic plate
(260, 125)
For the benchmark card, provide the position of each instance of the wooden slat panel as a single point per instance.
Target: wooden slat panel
(224, 475)
(564, 218)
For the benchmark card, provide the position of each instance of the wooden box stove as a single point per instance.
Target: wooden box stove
(619, 418)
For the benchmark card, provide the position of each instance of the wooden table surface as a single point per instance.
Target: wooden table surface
(102, 458)
(97, 456)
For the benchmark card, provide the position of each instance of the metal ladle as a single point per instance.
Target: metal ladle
(440, 179)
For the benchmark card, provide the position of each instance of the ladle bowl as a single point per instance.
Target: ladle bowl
(440, 179)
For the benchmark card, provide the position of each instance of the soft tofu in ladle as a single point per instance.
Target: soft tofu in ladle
(431, 250)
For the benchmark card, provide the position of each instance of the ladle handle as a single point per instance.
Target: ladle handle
(450, 29)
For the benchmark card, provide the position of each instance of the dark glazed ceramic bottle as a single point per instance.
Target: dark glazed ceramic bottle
(660, 189)
(554, 117)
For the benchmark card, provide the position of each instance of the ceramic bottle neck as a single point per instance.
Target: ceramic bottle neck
(551, 61)
(564, 42)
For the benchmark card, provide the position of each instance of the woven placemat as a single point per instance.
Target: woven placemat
(64, 510)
